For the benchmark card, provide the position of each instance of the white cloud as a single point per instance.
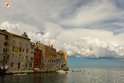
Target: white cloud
(53, 17)
(84, 42)
(18, 28)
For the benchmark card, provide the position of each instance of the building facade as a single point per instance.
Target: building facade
(49, 58)
(3, 48)
(16, 51)
(62, 57)
(21, 55)
(37, 59)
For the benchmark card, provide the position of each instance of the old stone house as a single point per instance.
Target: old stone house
(16, 51)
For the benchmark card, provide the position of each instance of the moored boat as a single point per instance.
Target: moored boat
(61, 71)
(3, 69)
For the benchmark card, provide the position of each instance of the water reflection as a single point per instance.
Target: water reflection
(35, 78)
(2, 79)
(49, 78)
(84, 75)
(96, 76)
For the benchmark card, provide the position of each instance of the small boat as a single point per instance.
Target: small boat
(61, 71)
(3, 69)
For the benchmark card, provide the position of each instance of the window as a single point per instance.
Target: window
(18, 65)
(4, 50)
(11, 64)
(31, 52)
(31, 47)
(20, 49)
(23, 50)
(6, 37)
(20, 56)
(26, 57)
(30, 65)
(5, 43)
(31, 58)
(13, 48)
(7, 57)
(26, 65)
(27, 51)
(4, 58)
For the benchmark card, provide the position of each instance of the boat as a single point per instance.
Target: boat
(3, 69)
(61, 71)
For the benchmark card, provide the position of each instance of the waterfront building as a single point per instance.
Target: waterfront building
(16, 51)
(62, 56)
(37, 59)
(19, 54)
(31, 56)
(3, 47)
(49, 60)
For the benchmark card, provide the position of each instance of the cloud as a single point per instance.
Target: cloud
(69, 13)
(17, 28)
(91, 28)
(94, 12)
(83, 42)
(34, 13)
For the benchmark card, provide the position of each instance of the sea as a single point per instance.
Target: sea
(81, 70)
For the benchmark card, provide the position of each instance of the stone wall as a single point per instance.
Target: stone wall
(3, 48)
(21, 53)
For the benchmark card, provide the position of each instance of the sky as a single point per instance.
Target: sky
(87, 28)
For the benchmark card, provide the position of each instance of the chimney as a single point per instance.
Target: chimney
(52, 46)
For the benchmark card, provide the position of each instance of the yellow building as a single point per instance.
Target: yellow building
(62, 55)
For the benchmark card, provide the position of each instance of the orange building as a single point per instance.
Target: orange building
(49, 60)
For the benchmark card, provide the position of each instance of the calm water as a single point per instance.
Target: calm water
(81, 71)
